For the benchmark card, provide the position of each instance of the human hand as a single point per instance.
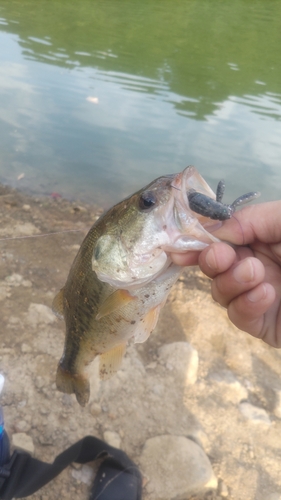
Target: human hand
(247, 278)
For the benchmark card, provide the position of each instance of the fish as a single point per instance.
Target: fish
(122, 275)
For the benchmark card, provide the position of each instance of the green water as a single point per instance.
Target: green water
(98, 98)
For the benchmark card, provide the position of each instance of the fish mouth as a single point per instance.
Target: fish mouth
(188, 230)
(190, 178)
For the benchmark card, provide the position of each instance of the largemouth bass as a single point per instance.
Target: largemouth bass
(122, 275)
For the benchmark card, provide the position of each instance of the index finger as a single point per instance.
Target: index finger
(260, 222)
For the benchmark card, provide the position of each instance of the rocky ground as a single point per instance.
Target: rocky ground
(197, 407)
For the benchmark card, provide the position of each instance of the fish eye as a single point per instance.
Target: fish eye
(147, 200)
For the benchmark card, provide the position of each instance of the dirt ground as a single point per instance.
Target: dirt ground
(233, 409)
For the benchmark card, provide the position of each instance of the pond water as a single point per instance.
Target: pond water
(99, 98)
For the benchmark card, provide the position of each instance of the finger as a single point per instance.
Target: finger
(185, 259)
(216, 259)
(224, 255)
(241, 277)
(247, 311)
(258, 222)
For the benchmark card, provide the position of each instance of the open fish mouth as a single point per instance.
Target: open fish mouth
(187, 229)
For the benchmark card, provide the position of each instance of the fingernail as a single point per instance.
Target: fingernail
(257, 294)
(244, 271)
(211, 259)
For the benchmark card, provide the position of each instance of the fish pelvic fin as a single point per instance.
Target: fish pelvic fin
(76, 383)
(117, 299)
(148, 324)
(111, 361)
(57, 305)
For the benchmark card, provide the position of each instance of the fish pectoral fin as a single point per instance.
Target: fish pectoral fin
(57, 305)
(117, 299)
(148, 324)
(70, 383)
(110, 361)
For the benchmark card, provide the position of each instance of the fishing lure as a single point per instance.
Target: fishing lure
(215, 209)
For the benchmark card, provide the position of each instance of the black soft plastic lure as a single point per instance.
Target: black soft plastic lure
(215, 209)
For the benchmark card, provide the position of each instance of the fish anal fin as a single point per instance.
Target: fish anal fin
(111, 361)
(148, 324)
(76, 383)
(117, 299)
(57, 305)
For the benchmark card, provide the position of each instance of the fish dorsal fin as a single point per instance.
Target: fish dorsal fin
(148, 324)
(117, 299)
(57, 305)
(110, 361)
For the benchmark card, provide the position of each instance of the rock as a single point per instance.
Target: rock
(254, 413)
(151, 366)
(39, 382)
(274, 496)
(84, 475)
(22, 403)
(200, 437)
(158, 389)
(14, 279)
(40, 314)
(25, 229)
(22, 426)
(25, 348)
(277, 407)
(182, 359)
(237, 359)
(175, 467)
(95, 409)
(46, 438)
(79, 208)
(74, 247)
(27, 283)
(112, 438)
(14, 321)
(76, 466)
(223, 490)
(4, 292)
(230, 388)
(23, 442)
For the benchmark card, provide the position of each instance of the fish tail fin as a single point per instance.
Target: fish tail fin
(76, 383)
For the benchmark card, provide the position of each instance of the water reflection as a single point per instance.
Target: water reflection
(267, 104)
(97, 100)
